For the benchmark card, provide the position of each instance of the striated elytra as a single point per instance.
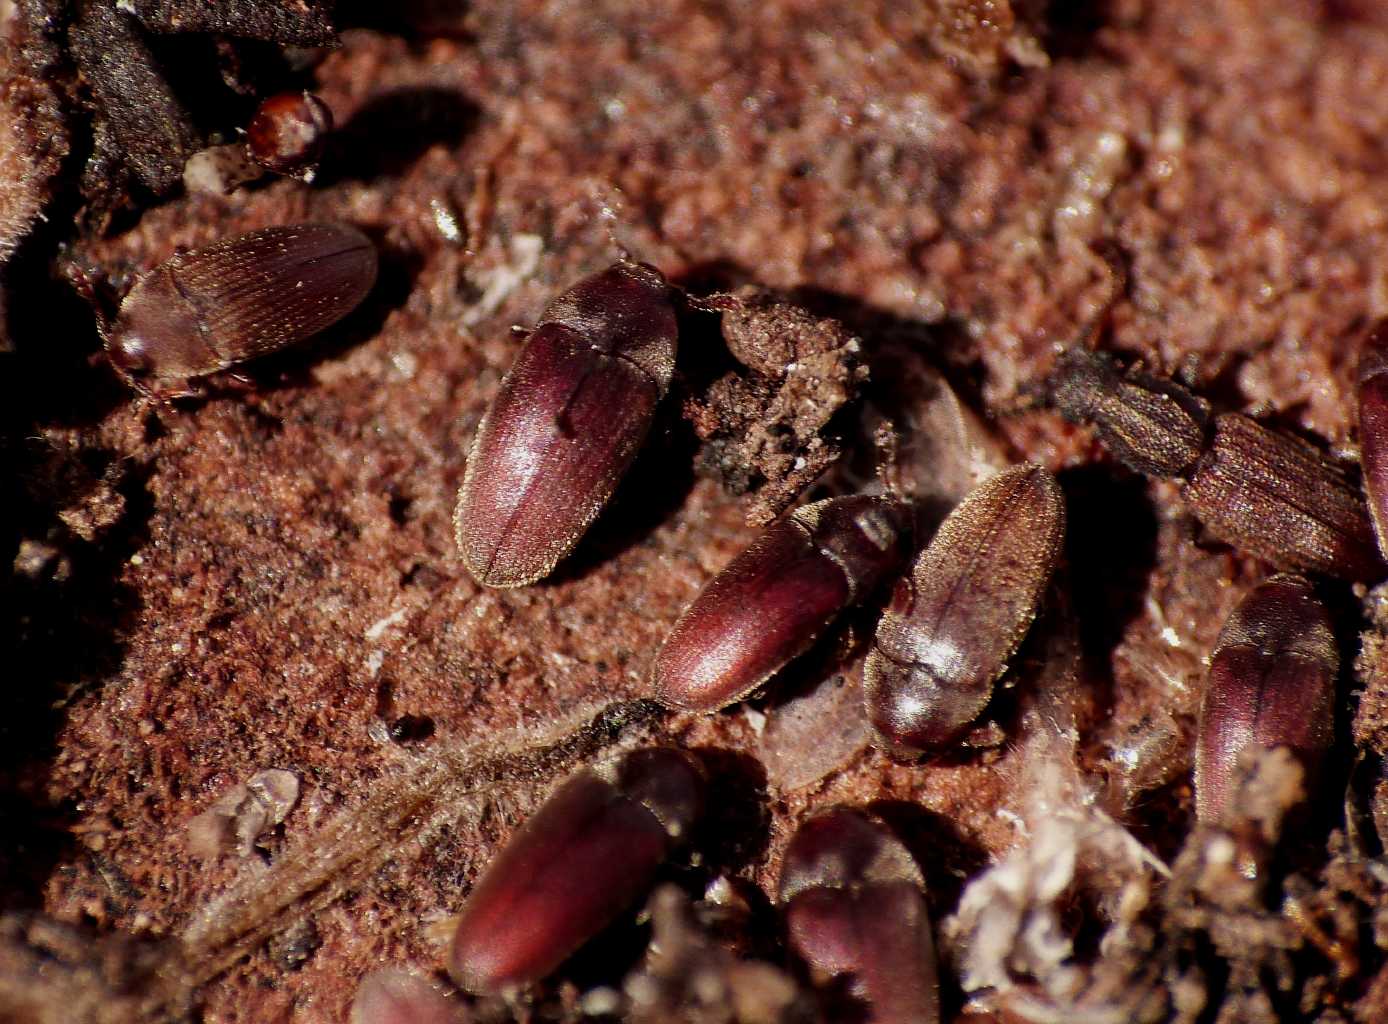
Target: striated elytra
(853, 901)
(1271, 684)
(205, 310)
(566, 423)
(584, 857)
(772, 600)
(971, 597)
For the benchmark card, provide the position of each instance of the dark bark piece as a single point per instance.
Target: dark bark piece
(142, 123)
(289, 22)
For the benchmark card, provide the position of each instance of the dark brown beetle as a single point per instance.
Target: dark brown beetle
(581, 859)
(854, 904)
(1271, 683)
(1372, 381)
(202, 311)
(392, 996)
(772, 600)
(566, 423)
(950, 629)
(287, 133)
(1261, 490)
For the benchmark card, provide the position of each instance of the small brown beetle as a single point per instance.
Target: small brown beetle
(854, 904)
(1280, 498)
(393, 996)
(1271, 683)
(287, 133)
(1151, 425)
(581, 859)
(1262, 490)
(952, 626)
(202, 311)
(566, 423)
(772, 600)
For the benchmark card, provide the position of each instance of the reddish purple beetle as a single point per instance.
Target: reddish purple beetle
(581, 859)
(970, 599)
(566, 424)
(854, 904)
(1271, 683)
(772, 600)
(202, 311)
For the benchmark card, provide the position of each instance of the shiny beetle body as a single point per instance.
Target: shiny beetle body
(853, 902)
(203, 311)
(971, 597)
(1268, 492)
(1372, 387)
(772, 600)
(565, 425)
(584, 857)
(1271, 684)
(287, 133)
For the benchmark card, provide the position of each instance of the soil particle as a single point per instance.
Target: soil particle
(764, 429)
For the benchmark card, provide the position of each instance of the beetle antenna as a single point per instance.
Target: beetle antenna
(1102, 320)
(887, 441)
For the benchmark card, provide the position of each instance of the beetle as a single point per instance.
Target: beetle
(287, 133)
(853, 901)
(1271, 683)
(1265, 491)
(1371, 390)
(768, 605)
(953, 624)
(203, 311)
(584, 857)
(566, 423)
